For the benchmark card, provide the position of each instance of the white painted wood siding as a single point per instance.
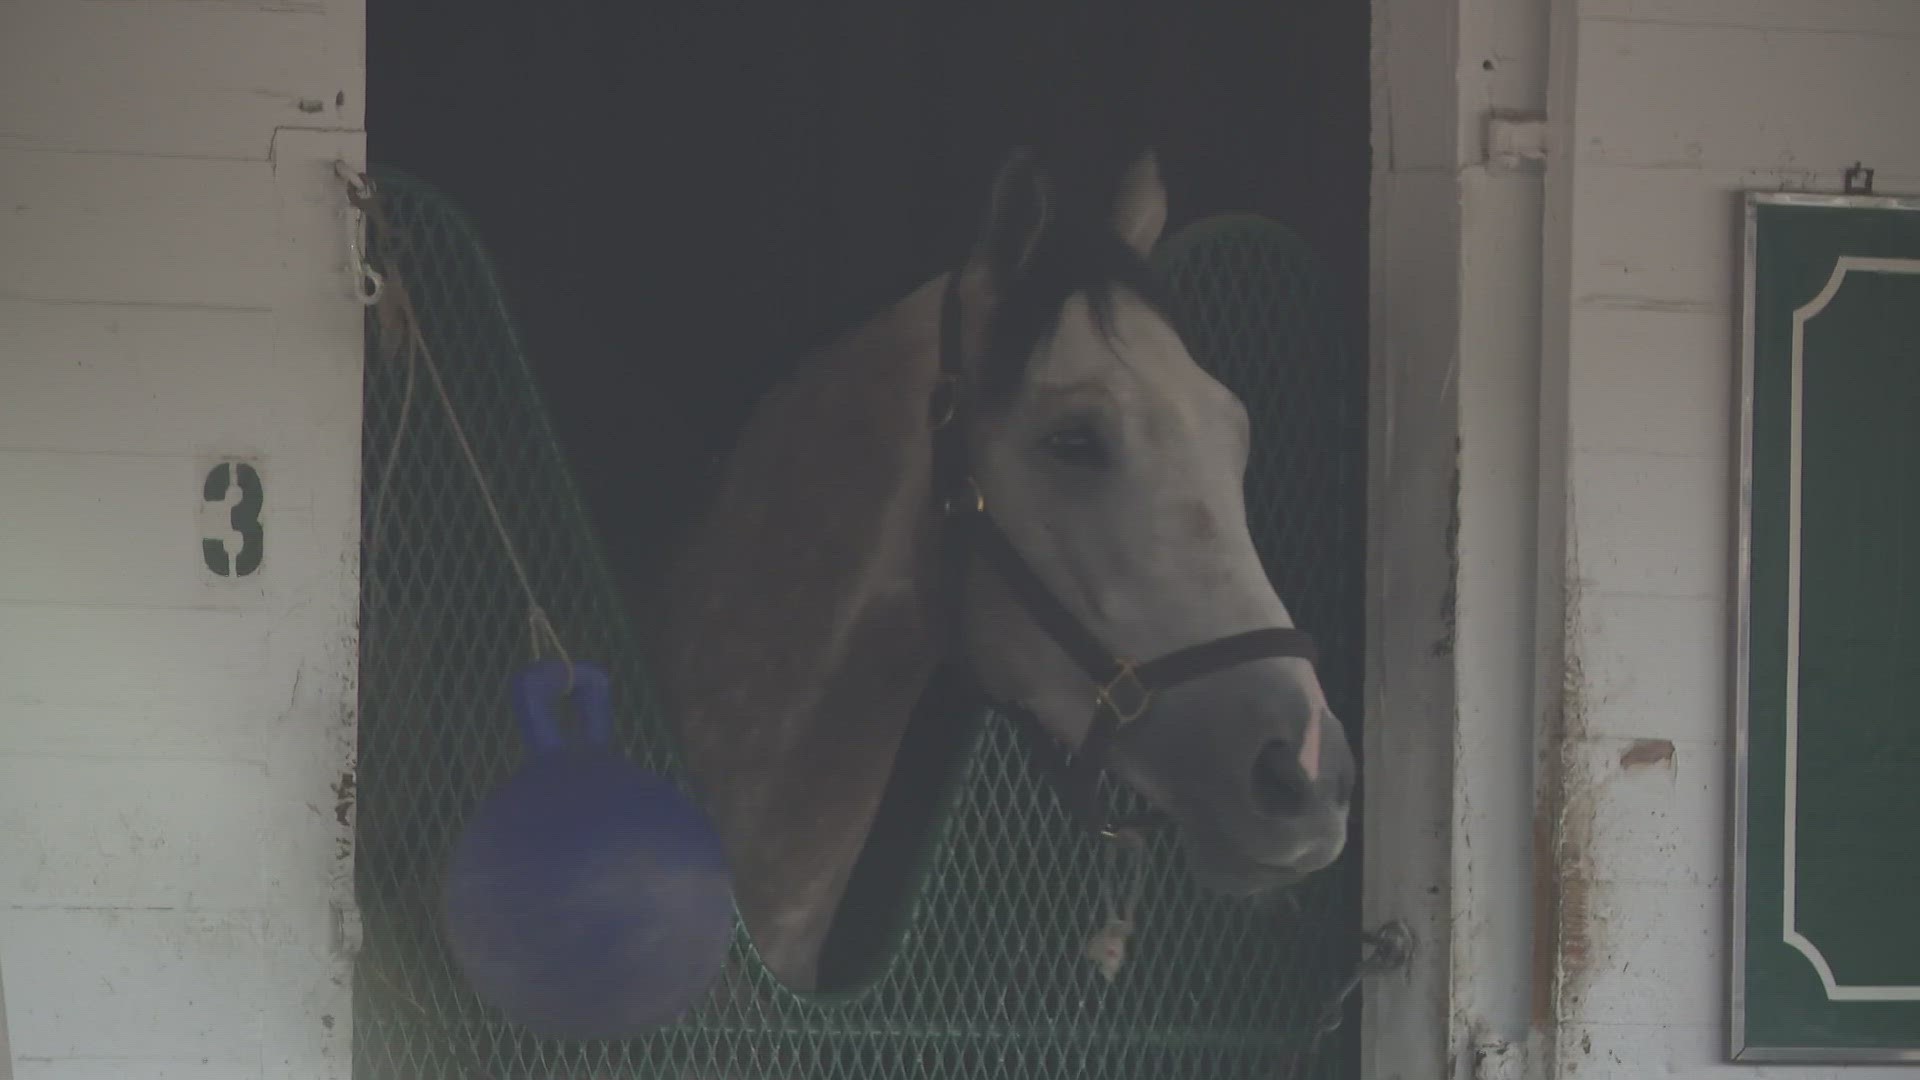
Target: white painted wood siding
(1674, 107)
(176, 749)
(1412, 425)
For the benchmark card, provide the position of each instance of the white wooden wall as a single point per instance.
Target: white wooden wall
(1670, 108)
(1548, 793)
(1455, 417)
(176, 748)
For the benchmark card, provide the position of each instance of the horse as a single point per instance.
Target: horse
(1016, 471)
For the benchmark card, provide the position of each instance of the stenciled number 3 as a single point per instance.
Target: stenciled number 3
(243, 518)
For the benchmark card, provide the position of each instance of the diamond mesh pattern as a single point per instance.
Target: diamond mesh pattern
(989, 980)
(1253, 307)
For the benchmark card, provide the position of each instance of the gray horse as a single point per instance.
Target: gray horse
(812, 605)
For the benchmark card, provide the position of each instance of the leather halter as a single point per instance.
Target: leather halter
(1123, 688)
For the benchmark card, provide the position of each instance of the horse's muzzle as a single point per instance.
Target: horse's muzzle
(1255, 770)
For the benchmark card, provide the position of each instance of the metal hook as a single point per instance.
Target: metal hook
(367, 282)
(359, 188)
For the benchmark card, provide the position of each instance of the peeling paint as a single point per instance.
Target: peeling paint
(1499, 1059)
(343, 795)
(1647, 752)
(1573, 820)
(1568, 914)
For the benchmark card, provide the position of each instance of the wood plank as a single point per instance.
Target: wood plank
(1650, 667)
(1410, 463)
(1883, 17)
(1652, 954)
(152, 984)
(118, 77)
(133, 683)
(1686, 1051)
(120, 834)
(216, 260)
(1418, 130)
(67, 180)
(1651, 524)
(1751, 100)
(124, 530)
(1652, 381)
(178, 742)
(111, 1067)
(116, 378)
(1659, 239)
(1650, 795)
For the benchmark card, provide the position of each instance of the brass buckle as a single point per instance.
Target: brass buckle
(1141, 696)
(953, 504)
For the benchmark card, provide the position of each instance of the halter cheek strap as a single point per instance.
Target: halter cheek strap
(1122, 689)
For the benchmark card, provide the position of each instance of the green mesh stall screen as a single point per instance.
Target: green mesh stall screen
(990, 979)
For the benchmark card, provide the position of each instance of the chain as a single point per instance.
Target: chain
(1386, 949)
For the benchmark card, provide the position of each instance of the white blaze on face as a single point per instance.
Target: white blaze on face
(1310, 748)
(1173, 505)
(1150, 548)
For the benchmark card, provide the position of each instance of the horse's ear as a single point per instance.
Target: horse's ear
(1018, 212)
(1140, 208)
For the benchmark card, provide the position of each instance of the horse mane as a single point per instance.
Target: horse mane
(1078, 253)
(798, 630)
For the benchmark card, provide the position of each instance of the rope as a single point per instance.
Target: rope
(397, 316)
(1107, 946)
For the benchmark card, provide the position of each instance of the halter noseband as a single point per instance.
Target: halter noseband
(1123, 688)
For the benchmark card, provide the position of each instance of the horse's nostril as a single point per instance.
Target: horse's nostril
(1280, 785)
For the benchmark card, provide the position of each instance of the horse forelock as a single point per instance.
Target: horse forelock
(1076, 256)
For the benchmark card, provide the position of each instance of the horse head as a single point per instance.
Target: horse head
(1106, 466)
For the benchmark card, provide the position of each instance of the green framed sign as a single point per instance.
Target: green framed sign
(1826, 851)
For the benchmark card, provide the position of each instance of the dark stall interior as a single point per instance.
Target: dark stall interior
(682, 196)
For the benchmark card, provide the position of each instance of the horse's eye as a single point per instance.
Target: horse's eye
(1078, 443)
